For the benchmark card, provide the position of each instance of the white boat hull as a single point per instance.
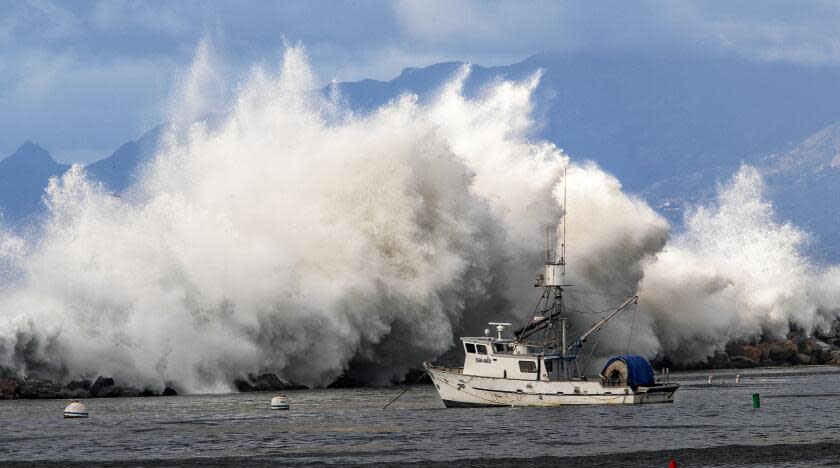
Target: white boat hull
(457, 390)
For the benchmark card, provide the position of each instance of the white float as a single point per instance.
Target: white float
(75, 410)
(279, 403)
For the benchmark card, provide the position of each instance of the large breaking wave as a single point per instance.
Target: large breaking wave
(294, 236)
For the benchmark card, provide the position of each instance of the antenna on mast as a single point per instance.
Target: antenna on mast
(563, 244)
(548, 244)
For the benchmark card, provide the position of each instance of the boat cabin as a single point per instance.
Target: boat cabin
(503, 358)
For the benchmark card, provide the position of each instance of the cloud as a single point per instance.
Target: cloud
(789, 34)
(113, 15)
(767, 31)
(56, 22)
(477, 24)
(56, 42)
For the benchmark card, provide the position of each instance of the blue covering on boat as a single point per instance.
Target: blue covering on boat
(639, 370)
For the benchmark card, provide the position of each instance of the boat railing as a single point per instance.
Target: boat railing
(453, 370)
(614, 382)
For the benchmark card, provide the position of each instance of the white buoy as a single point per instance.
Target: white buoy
(75, 410)
(710, 379)
(738, 378)
(280, 402)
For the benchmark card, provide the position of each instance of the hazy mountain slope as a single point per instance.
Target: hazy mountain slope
(805, 187)
(23, 177)
(668, 127)
(118, 170)
(647, 119)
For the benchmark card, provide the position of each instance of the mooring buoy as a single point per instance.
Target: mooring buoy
(279, 403)
(75, 410)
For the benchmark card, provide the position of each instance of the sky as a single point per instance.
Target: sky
(82, 77)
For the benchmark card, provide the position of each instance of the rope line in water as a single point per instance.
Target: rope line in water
(406, 390)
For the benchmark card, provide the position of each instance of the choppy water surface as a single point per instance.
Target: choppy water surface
(797, 423)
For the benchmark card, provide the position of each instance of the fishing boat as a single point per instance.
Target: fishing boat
(538, 367)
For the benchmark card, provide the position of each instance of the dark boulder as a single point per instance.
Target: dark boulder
(125, 392)
(34, 388)
(104, 387)
(752, 352)
(734, 348)
(784, 352)
(243, 386)
(77, 393)
(345, 381)
(818, 350)
(167, 391)
(79, 384)
(9, 389)
(267, 382)
(414, 376)
(719, 361)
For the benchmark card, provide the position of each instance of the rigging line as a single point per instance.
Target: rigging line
(591, 352)
(591, 293)
(534, 312)
(632, 322)
(576, 333)
(589, 313)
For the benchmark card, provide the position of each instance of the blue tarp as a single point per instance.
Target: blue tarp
(639, 370)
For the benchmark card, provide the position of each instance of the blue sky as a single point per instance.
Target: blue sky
(82, 77)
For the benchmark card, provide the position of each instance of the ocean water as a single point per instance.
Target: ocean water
(798, 424)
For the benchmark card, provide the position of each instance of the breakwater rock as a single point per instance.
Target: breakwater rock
(37, 387)
(797, 349)
(265, 382)
(12, 387)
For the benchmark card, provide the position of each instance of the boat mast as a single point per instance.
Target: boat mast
(563, 220)
(549, 314)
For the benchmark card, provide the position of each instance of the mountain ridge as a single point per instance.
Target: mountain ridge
(668, 127)
(23, 177)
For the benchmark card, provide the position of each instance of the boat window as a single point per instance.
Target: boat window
(481, 349)
(549, 365)
(499, 347)
(528, 367)
(470, 347)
